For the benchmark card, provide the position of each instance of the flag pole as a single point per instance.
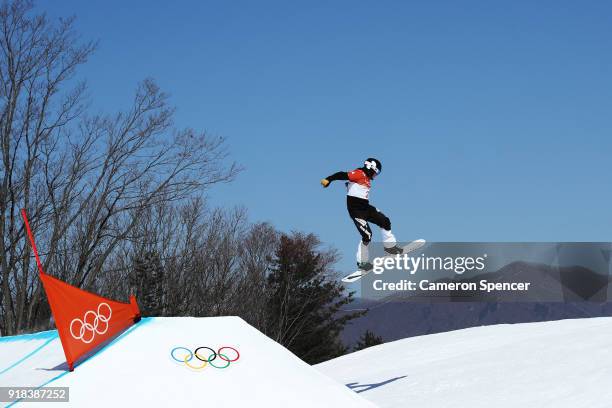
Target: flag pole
(31, 237)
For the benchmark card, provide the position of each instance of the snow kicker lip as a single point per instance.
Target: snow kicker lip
(206, 361)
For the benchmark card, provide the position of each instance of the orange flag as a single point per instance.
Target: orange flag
(84, 320)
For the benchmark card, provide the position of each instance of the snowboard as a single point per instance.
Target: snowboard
(412, 246)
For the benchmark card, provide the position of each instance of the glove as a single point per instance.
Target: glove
(325, 182)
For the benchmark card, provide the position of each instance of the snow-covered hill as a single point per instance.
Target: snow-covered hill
(557, 364)
(565, 363)
(137, 369)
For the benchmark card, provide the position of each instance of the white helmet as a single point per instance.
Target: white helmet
(373, 165)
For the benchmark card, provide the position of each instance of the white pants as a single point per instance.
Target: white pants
(388, 240)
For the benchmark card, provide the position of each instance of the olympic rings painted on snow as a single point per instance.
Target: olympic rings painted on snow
(189, 355)
(227, 362)
(227, 359)
(89, 327)
(181, 348)
(204, 347)
(186, 361)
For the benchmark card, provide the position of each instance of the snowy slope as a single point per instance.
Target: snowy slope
(565, 363)
(137, 370)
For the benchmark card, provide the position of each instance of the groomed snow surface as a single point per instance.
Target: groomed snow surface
(553, 364)
(136, 370)
(565, 363)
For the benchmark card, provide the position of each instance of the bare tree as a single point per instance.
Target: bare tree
(214, 261)
(84, 179)
(117, 203)
(256, 263)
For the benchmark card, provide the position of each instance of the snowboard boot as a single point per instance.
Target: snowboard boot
(394, 250)
(365, 266)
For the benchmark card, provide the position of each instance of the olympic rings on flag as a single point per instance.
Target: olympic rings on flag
(88, 327)
(187, 356)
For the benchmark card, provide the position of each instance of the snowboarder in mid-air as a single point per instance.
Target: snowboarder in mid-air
(362, 212)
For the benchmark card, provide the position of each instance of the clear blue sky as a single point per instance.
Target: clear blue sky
(493, 120)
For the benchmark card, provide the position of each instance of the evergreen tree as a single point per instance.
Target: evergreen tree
(146, 280)
(304, 300)
(367, 339)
